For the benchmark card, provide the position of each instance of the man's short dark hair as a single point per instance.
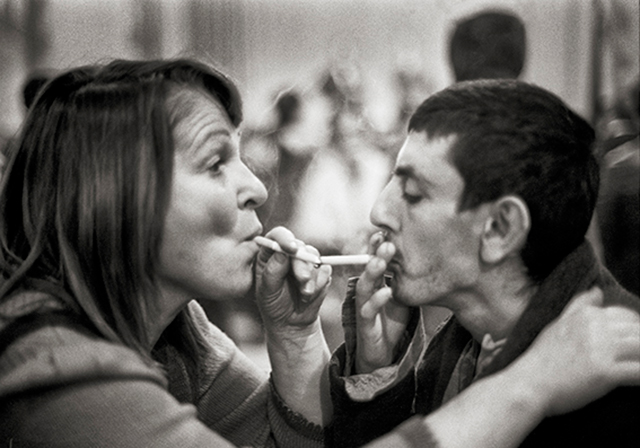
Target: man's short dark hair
(516, 138)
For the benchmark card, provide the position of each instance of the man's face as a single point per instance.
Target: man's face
(436, 246)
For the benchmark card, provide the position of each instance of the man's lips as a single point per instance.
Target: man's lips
(394, 263)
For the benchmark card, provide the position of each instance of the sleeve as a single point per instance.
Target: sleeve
(104, 413)
(414, 433)
(369, 406)
(237, 400)
(63, 387)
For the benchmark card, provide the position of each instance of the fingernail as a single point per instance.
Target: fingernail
(309, 287)
(280, 257)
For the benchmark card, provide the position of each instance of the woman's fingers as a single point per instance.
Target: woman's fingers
(304, 271)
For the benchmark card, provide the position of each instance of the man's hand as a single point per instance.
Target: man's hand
(380, 320)
(584, 354)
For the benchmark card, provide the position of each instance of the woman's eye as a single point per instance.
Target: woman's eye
(215, 166)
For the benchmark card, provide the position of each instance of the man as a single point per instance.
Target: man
(486, 215)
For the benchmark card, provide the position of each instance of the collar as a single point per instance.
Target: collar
(576, 273)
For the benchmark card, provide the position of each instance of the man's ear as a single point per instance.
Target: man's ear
(506, 229)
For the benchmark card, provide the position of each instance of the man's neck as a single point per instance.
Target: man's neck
(494, 308)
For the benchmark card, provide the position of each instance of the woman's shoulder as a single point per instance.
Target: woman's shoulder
(211, 333)
(49, 348)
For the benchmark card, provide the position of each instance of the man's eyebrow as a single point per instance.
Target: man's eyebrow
(404, 171)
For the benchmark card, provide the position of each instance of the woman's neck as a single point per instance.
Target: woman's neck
(168, 305)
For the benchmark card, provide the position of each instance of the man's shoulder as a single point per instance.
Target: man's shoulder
(609, 421)
(616, 294)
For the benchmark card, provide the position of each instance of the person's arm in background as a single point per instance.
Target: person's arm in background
(289, 293)
(581, 356)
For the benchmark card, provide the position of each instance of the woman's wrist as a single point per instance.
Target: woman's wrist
(527, 389)
(279, 334)
(299, 361)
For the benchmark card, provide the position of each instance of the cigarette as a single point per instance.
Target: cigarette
(335, 260)
(300, 255)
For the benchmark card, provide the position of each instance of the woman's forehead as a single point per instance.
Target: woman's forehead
(184, 101)
(188, 106)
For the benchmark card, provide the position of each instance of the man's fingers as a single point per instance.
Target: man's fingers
(375, 241)
(373, 276)
(368, 281)
(374, 305)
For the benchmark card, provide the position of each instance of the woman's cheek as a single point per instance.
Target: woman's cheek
(224, 215)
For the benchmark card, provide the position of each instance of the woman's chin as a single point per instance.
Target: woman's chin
(231, 292)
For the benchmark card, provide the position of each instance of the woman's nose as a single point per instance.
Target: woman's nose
(252, 192)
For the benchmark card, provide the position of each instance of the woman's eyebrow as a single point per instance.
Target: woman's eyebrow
(206, 133)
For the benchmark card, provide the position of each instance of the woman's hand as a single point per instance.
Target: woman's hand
(380, 321)
(583, 354)
(289, 291)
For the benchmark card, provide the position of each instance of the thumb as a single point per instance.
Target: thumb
(592, 297)
(274, 273)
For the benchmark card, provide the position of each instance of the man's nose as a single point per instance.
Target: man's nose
(383, 214)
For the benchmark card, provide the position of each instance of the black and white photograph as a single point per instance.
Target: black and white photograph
(319, 223)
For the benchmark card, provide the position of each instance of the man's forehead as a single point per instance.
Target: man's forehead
(422, 154)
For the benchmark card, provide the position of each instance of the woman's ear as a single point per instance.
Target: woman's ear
(506, 229)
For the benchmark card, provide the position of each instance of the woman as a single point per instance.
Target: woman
(126, 199)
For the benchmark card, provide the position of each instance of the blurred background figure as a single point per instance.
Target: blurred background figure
(347, 171)
(618, 212)
(281, 155)
(340, 184)
(33, 84)
(489, 44)
(30, 89)
(411, 87)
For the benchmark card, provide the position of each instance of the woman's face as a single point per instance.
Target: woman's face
(207, 249)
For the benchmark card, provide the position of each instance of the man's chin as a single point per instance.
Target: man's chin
(408, 296)
(399, 293)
